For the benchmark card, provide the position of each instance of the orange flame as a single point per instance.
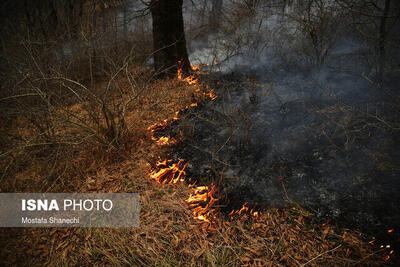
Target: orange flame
(201, 201)
(158, 126)
(189, 79)
(245, 210)
(212, 95)
(180, 72)
(195, 67)
(192, 80)
(164, 173)
(164, 140)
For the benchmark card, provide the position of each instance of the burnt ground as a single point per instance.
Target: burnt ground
(272, 145)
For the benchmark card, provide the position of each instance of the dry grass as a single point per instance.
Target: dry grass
(168, 234)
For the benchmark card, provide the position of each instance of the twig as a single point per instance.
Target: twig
(316, 257)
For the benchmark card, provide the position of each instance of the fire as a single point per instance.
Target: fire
(158, 126)
(212, 95)
(201, 201)
(167, 173)
(245, 210)
(195, 67)
(164, 140)
(190, 79)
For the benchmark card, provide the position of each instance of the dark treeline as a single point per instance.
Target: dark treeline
(50, 18)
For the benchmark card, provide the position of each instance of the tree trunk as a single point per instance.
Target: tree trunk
(169, 37)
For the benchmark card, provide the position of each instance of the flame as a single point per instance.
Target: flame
(158, 126)
(164, 140)
(190, 79)
(245, 210)
(180, 72)
(212, 95)
(195, 67)
(201, 201)
(166, 173)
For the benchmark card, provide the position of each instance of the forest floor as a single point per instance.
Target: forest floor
(168, 234)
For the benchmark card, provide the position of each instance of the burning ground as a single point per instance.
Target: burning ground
(257, 148)
(336, 159)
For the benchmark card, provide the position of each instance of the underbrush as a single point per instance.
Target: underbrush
(55, 126)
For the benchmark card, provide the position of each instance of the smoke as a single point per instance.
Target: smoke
(297, 123)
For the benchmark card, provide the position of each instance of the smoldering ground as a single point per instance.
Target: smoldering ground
(294, 126)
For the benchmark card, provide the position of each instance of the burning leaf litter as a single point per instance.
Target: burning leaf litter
(202, 201)
(168, 173)
(245, 210)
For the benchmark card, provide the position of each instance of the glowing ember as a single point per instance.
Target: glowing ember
(167, 173)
